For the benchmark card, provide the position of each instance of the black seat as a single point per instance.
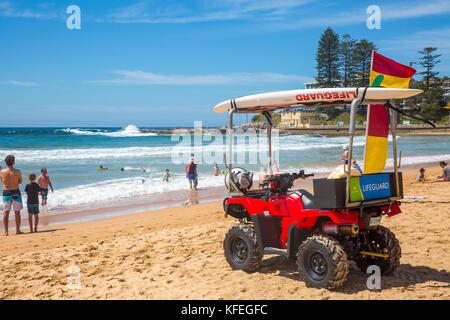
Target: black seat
(307, 199)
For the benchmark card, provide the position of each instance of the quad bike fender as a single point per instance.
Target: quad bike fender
(253, 206)
(309, 218)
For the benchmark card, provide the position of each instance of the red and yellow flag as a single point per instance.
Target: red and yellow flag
(389, 74)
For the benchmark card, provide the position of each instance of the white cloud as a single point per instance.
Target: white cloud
(147, 78)
(285, 14)
(19, 83)
(439, 38)
(390, 12)
(225, 10)
(10, 11)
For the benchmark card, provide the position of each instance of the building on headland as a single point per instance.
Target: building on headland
(301, 118)
(311, 85)
(446, 85)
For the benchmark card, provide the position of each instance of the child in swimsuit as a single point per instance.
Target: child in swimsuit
(32, 190)
(421, 175)
(166, 176)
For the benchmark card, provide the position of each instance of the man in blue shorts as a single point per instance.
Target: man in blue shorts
(191, 173)
(44, 182)
(12, 199)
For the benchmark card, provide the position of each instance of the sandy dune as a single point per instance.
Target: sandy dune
(177, 254)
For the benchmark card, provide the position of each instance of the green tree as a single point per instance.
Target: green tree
(432, 97)
(362, 57)
(327, 59)
(346, 56)
(428, 62)
(258, 118)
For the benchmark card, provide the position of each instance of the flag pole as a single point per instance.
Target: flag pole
(394, 149)
(368, 112)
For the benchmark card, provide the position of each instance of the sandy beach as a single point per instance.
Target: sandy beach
(177, 253)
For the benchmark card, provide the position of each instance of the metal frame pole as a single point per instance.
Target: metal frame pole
(268, 116)
(269, 134)
(351, 131)
(230, 145)
(394, 148)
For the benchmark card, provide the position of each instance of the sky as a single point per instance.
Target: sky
(167, 63)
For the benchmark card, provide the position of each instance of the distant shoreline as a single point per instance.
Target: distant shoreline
(324, 129)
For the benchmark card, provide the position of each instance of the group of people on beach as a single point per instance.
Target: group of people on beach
(12, 197)
(445, 174)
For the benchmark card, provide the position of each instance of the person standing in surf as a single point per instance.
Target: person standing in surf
(216, 170)
(44, 182)
(345, 155)
(12, 199)
(166, 176)
(191, 173)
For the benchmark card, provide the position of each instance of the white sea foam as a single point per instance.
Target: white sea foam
(129, 131)
(285, 144)
(150, 183)
(118, 189)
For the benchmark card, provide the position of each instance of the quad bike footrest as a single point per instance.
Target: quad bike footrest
(381, 255)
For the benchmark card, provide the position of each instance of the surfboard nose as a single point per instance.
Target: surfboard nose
(222, 107)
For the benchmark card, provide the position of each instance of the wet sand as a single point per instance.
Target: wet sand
(176, 253)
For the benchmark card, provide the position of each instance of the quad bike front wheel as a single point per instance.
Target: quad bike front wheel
(322, 262)
(241, 248)
(379, 240)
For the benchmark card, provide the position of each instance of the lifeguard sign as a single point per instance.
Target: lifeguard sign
(370, 187)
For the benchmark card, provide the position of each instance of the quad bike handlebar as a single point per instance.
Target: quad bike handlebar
(282, 182)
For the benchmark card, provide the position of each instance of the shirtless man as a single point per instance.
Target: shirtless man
(44, 182)
(345, 155)
(12, 199)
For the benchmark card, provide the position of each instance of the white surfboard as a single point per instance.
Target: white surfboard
(312, 97)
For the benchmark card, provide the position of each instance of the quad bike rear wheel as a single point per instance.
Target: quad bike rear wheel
(379, 240)
(322, 262)
(241, 248)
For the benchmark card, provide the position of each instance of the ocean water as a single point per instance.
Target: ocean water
(73, 155)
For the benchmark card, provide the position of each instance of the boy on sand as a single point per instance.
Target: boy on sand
(32, 190)
(421, 175)
(44, 183)
(12, 199)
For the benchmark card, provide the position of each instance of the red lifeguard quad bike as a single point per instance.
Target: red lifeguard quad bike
(340, 222)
